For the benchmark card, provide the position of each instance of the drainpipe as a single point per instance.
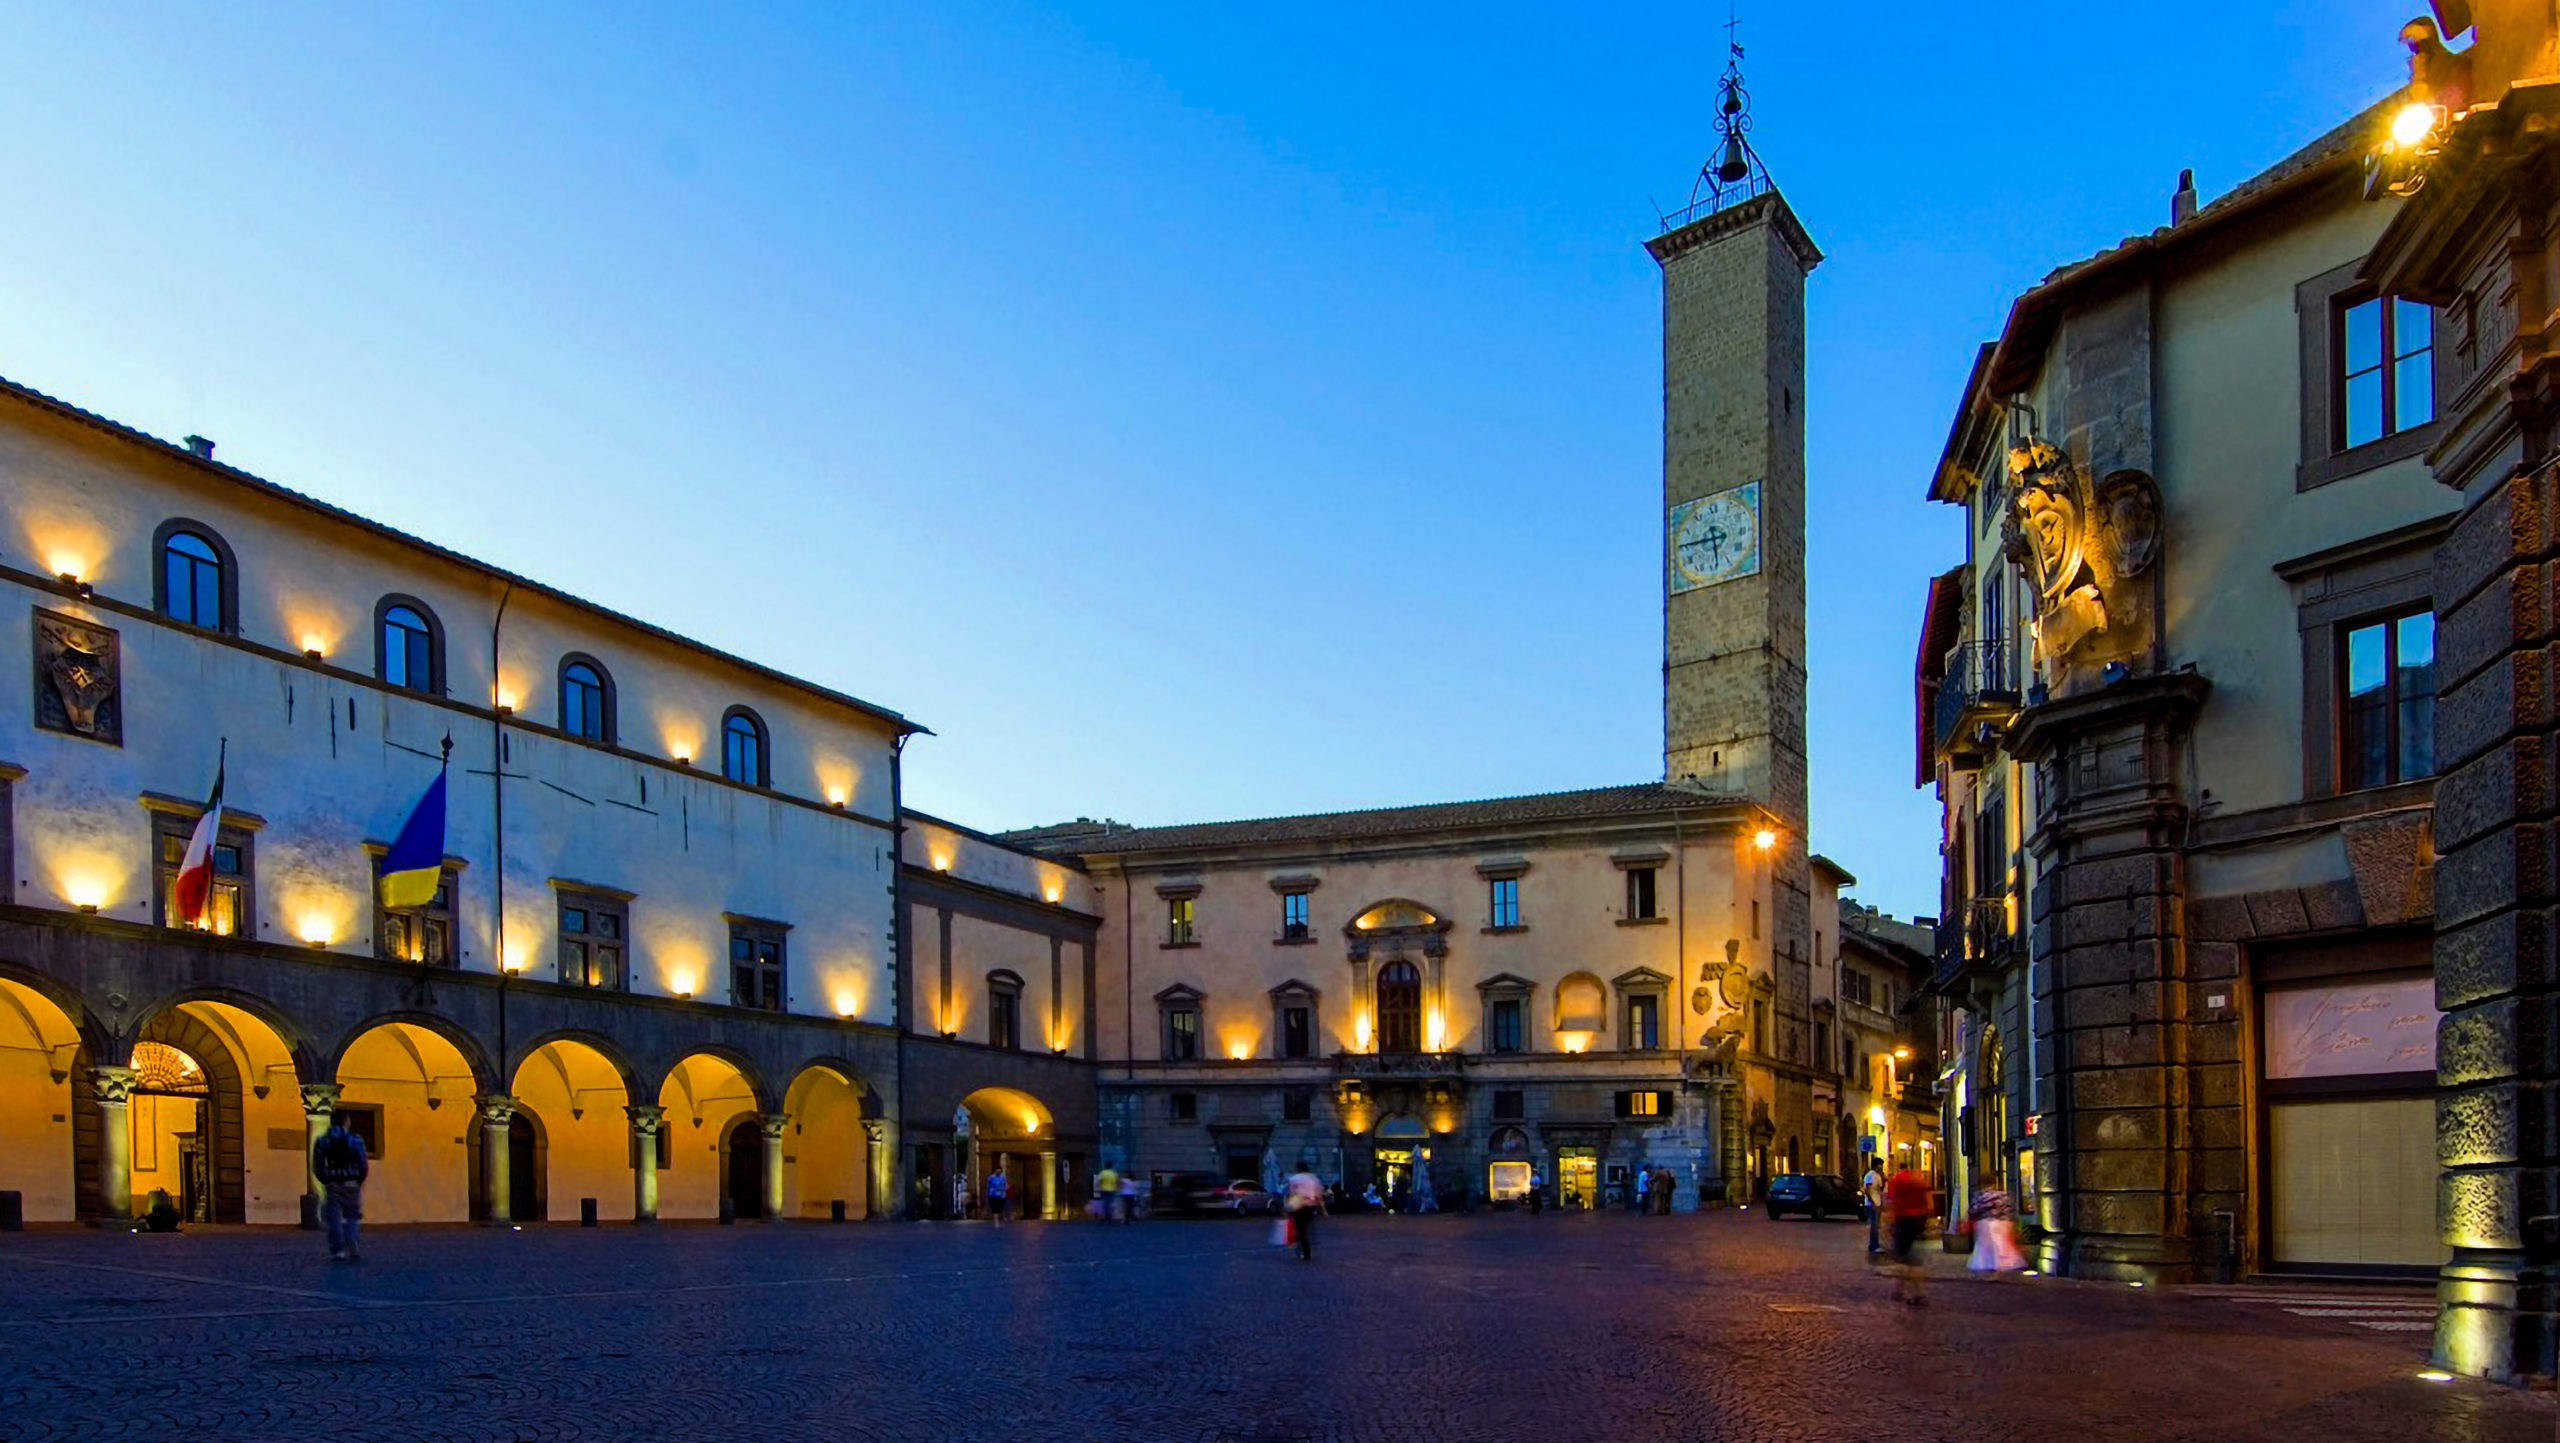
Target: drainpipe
(498, 831)
(901, 969)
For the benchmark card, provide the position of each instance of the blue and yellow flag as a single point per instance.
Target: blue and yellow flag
(414, 866)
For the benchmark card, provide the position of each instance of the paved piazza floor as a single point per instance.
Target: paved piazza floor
(1557, 1328)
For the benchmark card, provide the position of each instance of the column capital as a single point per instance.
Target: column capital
(112, 1084)
(645, 1120)
(771, 1124)
(876, 1128)
(496, 1109)
(319, 1099)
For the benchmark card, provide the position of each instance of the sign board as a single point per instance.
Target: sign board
(2352, 1028)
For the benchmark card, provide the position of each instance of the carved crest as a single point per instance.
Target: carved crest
(77, 675)
(2082, 548)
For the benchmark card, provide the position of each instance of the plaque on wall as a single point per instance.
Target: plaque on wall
(78, 678)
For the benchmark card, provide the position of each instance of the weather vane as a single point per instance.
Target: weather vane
(1736, 172)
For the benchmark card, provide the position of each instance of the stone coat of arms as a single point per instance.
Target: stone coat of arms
(78, 678)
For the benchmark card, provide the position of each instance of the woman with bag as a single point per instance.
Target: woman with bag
(1995, 1241)
(1301, 1203)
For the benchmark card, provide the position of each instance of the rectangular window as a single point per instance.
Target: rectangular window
(1182, 1034)
(595, 941)
(2385, 349)
(1297, 1105)
(756, 965)
(1503, 1025)
(1640, 903)
(1648, 1102)
(1186, 1106)
(1854, 987)
(1297, 1032)
(2387, 706)
(1293, 917)
(421, 934)
(1177, 921)
(1506, 901)
(1644, 1022)
(226, 904)
(1004, 1017)
(1510, 1105)
(1760, 1028)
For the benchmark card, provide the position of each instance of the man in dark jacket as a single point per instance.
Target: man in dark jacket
(339, 1161)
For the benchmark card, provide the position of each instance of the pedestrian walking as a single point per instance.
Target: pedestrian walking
(1657, 1188)
(1106, 1193)
(964, 1199)
(338, 1160)
(1995, 1234)
(1537, 1192)
(1301, 1203)
(999, 1194)
(1871, 1195)
(1906, 1200)
(1131, 1191)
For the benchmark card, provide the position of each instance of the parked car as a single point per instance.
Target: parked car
(1817, 1195)
(1244, 1196)
(1204, 1194)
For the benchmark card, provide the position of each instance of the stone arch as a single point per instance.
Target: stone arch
(414, 1081)
(571, 1094)
(297, 1038)
(605, 1048)
(707, 1094)
(1011, 1128)
(44, 1045)
(827, 1151)
(1581, 1009)
(484, 1075)
(95, 1035)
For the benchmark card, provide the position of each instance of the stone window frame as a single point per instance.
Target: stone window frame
(2318, 304)
(776, 968)
(1642, 984)
(2391, 573)
(1296, 930)
(1643, 867)
(1181, 900)
(1501, 989)
(1178, 999)
(1418, 1018)
(226, 584)
(1004, 1009)
(395, 600)
(742, 723)
(1294, 995)
(1656, 1106)
(608, 700)
(1504, 910)
(10, 775)
(595, 901)
(176, 817)
(388, 919)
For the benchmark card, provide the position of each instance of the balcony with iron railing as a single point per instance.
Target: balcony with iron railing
(1976, 699)
(1978, 940)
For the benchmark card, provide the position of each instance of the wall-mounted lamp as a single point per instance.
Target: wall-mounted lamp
(90, 908)
(1764, 839)
(312, 646)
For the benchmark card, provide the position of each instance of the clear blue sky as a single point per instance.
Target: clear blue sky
(1189, 412)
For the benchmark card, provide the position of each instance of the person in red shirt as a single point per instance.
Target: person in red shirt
(1906, 1201)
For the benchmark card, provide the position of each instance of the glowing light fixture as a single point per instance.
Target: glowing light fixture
(1764, 839)
(85, 891)
(313, 646)
(315, 928)
(2435, 1375)
(1903, 1052)
(2415, 123)
(836, 795)
(1239, 1051)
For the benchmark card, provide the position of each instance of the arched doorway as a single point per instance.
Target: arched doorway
(708, 1099)
(1401, 1148)
(214, 1085)
(570, 1138)
(1011, 1129)
(409, 1091)
(40, 1053)
(827, 1155)
(1508, 1166)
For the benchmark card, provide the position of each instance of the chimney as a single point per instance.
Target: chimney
(199, 446)
(2182, 206)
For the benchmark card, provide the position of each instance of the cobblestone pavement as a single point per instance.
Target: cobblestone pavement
(1558, 1328)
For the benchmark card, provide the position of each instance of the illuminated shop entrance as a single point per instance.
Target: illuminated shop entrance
(1399, 1139)
(172, 1139)
(1578, 1176)
(1507, 1175)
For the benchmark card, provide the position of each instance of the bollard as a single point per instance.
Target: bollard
(310, 1213)
(837, 1214)
(728, 1211)
(13, 1212)
(586, 1212)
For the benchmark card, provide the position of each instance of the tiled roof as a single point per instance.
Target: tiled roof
(1098, 838)
(206, 463)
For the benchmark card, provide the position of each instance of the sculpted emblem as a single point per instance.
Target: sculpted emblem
(76, 678)
(2083, 549)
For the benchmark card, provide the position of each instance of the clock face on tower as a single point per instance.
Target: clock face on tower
(1715, 538)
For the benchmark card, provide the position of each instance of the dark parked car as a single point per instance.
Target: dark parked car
(1817, 1195)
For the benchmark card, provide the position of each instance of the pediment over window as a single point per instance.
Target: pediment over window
(1505, 984)
(1177, 994)
(1292, 990)
(1640, 977)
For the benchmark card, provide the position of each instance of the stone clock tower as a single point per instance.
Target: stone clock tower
(1733, 662)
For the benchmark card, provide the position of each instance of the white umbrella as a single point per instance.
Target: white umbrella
(1272, 1177)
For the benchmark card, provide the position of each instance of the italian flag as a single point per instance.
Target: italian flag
(195, 874)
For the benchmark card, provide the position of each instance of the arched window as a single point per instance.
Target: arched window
(586, 698)
(197, 581)
(408, 644)
(743, 749)
(1399, 1008)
